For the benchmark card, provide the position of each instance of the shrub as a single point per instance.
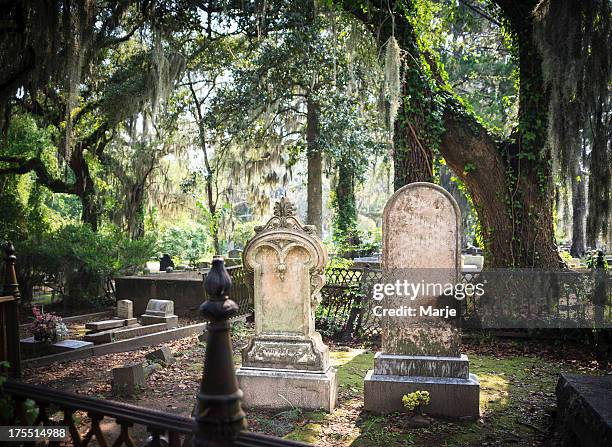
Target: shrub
(416, 401)
(185, 243)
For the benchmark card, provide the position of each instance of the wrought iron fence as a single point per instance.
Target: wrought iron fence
(346, 312)
(241, 290)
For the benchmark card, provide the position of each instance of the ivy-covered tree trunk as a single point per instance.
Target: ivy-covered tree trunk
(412, 143)
(509, 181)
(345, 220)
(315, 166)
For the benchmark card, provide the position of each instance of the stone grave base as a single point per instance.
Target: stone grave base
(282, 388)
(449, 397)
(584, 411)
(171, 320)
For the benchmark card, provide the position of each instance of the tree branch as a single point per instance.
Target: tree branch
(23, 166)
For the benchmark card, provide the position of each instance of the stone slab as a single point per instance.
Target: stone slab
(29, 346)
(449, 397)
(128, 379)
(171, 321)
(69, 345)
(96, 326)
(118, 346)
(122, 334)
(281, 389)
(162, 355)
(421, 366)
(584, 409)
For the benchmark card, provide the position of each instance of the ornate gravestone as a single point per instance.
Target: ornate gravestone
(421, 228)
(286, 363)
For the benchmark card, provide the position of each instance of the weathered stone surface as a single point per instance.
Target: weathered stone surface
(449, 397)
(423, 366)
(128, 379)
(421, 228)
(171, 321)
(584, 409)
(162, 355)
(278, 389)
(125, 309)
(287, 261)
(96, 326)
(69, 345)
(124, 333)
(160, 308)
(186, 290)
(299, 354)
(160, 311)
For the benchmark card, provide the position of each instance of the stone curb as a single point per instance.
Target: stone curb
(106, 313)
(131, 344)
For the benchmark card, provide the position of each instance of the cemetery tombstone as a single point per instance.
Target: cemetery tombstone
(160, 311)
(164, 262)
(125, 309)
(286, 364)
(421, 352)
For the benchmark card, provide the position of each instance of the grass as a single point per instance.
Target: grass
(515, 393)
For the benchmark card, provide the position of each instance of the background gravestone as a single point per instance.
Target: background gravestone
(421, 228)
(125, 309)
(286, 363)
(160, 311)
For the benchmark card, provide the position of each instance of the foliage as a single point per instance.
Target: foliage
(358, 243)
(189, 242)
(47, 327)
(243, 232)
(595, 260)
(415, 401)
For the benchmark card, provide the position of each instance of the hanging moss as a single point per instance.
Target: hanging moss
(575, 38)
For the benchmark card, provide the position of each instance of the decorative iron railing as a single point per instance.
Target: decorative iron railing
(218, 422)
(241, 289)
(162, 428)
(9, 315)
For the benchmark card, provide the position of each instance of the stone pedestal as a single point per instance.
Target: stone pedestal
(279, 388)
(453, 391)
(286, 364)
(421, 228)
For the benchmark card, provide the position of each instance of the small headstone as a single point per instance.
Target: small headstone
(162, 355)
(30, 346)
(164, 262)
(125, 309)
(160, 308)
(128, 379)
(160, 311)
(235, 253)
